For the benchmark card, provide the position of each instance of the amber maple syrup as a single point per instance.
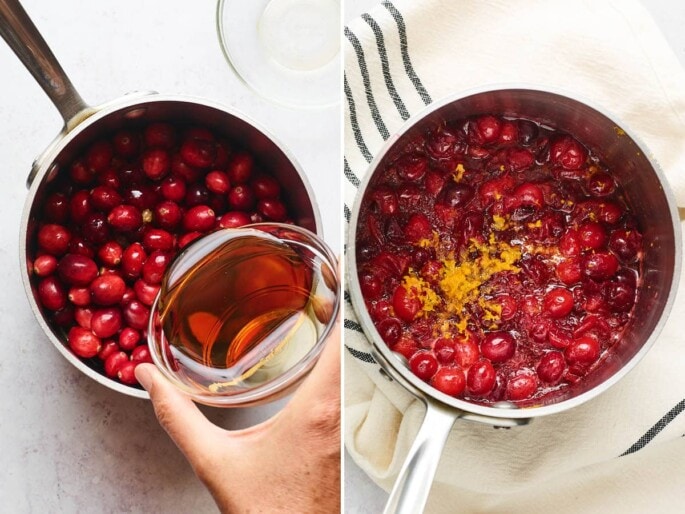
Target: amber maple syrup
(246, 310)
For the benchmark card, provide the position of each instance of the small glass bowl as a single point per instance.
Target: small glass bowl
(280, 360)
(287, 51)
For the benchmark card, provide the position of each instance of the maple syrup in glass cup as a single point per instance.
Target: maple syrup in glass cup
(243, 314)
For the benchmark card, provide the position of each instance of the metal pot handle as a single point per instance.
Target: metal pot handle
(410, 492)
(23, 37)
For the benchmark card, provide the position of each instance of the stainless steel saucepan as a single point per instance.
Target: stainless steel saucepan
(654, 207)
(84, 124)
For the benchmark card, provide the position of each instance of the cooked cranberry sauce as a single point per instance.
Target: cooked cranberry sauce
(500, 257)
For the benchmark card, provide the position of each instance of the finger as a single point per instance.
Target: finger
(192, 432)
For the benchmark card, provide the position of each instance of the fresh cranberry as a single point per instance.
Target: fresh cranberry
(99, 156)
(450, 381)
(133, 260)
(272, 209)
(551, 367)
(157, 239)
(583, 350)
(45, 265)
(234, 219)
(136, 315)
(145, 292)
(592, 235)
(405, 346)
(83, 342)
(498, 346)
(56, 208)
(79, 296)
(108, 289)
(141, 354)
(240, 168)
(155, 266)
(129, 338)
(423, 365)
(126, 373)
(113, 362)
(558, 302)
(53, 239)
(64, 318)
(480, 378)
(626, 244)
(162, 135)
(104, 198)
(406, 305)
(390, 330)
(217, 182)
(199, 218)
(51, 294)
(173, 189)
(110, 254)
(80, 173)
(567, 152)
(107, 349)
(522, 386)
(601, 184)
(188, 238)
(125, 218)
(106, 322)
(197, 194)
(265, 186)
(95, 228)
(83, 316)
(77, 270)
(198, 153)
(126, 143)
(156, 163)
(412, 167)
(600, 266)
(241, 198)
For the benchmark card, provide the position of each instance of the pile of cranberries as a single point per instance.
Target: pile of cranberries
(113, 221)
(528, 218)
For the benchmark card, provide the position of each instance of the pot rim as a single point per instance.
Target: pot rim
(392, 364)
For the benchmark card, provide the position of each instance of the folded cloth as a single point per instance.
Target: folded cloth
(624, 450)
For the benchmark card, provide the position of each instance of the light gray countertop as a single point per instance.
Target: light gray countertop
(361, 494)
(68, 444)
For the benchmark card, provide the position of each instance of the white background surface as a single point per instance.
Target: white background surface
(68, 444)
(361, 494)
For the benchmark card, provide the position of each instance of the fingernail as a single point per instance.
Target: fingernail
(144, 375)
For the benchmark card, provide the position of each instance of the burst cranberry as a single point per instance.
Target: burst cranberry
(217, 182)
(234, 219)
(83, 342)
(240, 168)
(156, 163)
(527, 132)
(155, 266)
(592, 235)
(136, 315)
(485, 130)
(126, 143)
(133, 259)
(106, 322)
(619, 296)
(45, 265)
(600, 266)
(498, 346)
(508, 306)
(528, 195)
(113, 362)
(56, 208)
(199, 218)
(265, 186)
(53, 239)
(160, 134)
(601, 184)
(558, 302)
(108, 289)
(141, 354)
(126, 373)
(567, 152)
(79, 296)
(390, 330)
(110, 254)
(625, 244)
(519, 159)
(412, 167)
(145, 292)
(198, 153)
(480, 378)
(522, 386)
(99, 156)
(272, 209)
(125, 218)
(129, 338)
(423, 365)
(107, 349)
(495, 188)
(418, 227)
(51, 294)
(569, 244)
(407, 305)
(551, 367)
(450, 381)
(77, 270)
(584, 350)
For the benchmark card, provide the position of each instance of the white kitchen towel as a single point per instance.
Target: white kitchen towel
(624, 451)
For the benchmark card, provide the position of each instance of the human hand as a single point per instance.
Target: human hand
(289, 463)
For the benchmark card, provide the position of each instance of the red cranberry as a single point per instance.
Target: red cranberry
(522, 386)
(619, 296)
(201, 133)
(110, 254)
(509, 133)
(444, 350)
(234, 219)
(113, 362)
(265, 186)
(173, 189)
(126, 143)
(558, 302)
(609, 213)
(109, 178)
(77, 270)
(450, 381)
(156, 163)
(528, 195)
(199, 218)
(600, 266)
(466, 351)
(64, 318)
(51, 294)
(168, 215)
(53, 239)
(371, 285)
(223, 152)
(626, 244)
(108, 289)
(241, 198)
(99, 156)
(519, 159)
(423, 365)
(457, 195)
(83, 316)
(390, 330)
(508, 306)
(485, 129)
(79, 206)
(480, 378)
(125, 218)
(79, 296)
(188, 238)
(132, 261)
(95, 229)
(106, 322)
(412, 167)
(255, 217)
(141, 354)
(584, 350)
(157, 239)
(498, 346)
(272, 209)
(592, 235)
(45, 265)
(104, 198)
(418, 227)
(567, 152)
(155, 266)
(527, 132)
(142, 196)
(145, 292)
(136, 315)
(83, 342)
(569, 244)
(240, 168)
(80, 246)
(197, 194)
(198, 153)
(108, 348)
(495, 188)
(601, 184)
(80, 173)
(551, 367)
(160, 134)
(56, 208)
(406, 305)
(569, 272)
(126, 373)
(129, 338)
(217, 182)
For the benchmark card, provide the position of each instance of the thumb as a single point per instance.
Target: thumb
(178, 415)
